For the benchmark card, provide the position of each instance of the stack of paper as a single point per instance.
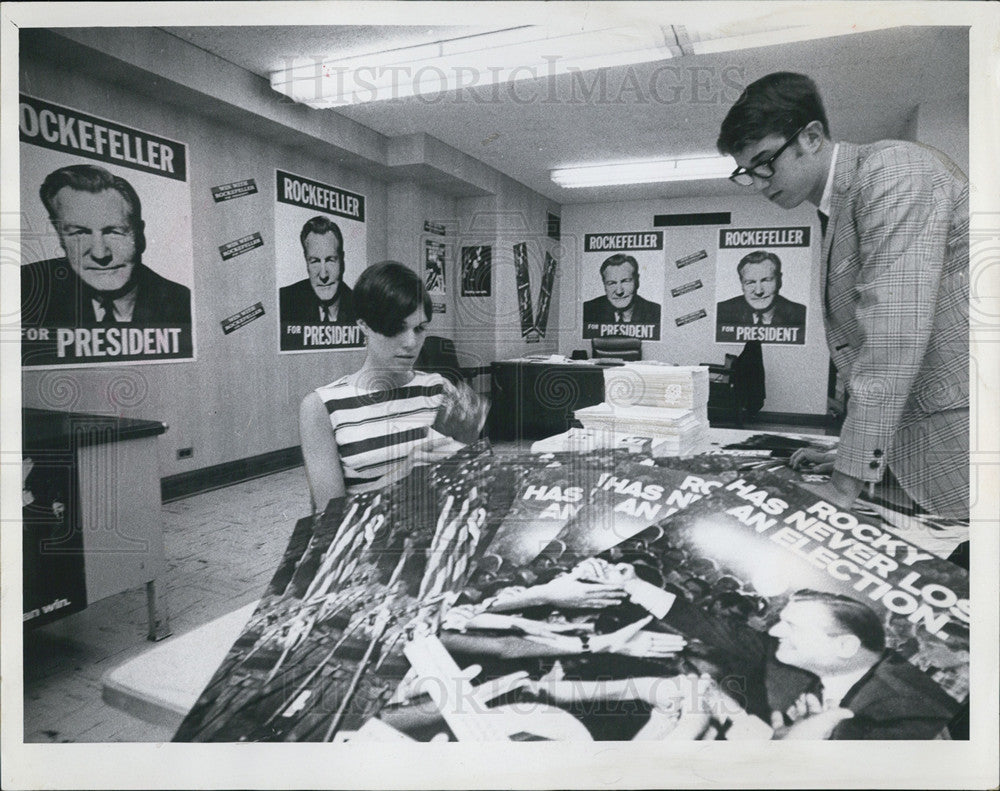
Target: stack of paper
(658, 385)
(673, 431)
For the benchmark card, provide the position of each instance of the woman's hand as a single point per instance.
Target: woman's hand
(462, 413)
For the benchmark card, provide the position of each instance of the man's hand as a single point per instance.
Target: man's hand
(812, 460)
(841, 491)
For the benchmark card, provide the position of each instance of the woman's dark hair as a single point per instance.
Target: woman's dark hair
(778, 104)
(386, 294)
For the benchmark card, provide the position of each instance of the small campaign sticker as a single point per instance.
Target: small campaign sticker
(240, 246)
(687, 318)
(691, 259)
(687, 288)
(236, 189)
(242, 318)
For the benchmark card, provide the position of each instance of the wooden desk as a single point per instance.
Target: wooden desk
(91, 513)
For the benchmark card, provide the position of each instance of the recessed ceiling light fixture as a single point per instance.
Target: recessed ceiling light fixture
(644, 172)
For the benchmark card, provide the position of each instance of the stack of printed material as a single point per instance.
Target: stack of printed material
(654, 384)
(675, 432)
(666, 403)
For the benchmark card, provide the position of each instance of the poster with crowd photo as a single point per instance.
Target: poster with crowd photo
(777, 543)
(107, 265)
(320, 248)
(762, 285)
(477, 271)
(621, 284)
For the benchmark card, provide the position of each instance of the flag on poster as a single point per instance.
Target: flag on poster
(616, 266)
(770, 266)
(320, 247)
(107, 264)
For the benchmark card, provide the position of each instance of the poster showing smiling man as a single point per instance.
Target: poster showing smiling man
(768, 271)
(107, 263)
(320, 247)
(621, 283)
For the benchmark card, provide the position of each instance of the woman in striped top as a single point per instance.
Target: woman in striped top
(359, 432)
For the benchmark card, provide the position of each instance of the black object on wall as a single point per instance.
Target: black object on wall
(702, 218)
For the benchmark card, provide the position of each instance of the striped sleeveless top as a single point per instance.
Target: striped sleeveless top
(376, 430)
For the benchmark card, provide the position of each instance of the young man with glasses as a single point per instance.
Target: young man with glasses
(895, 275)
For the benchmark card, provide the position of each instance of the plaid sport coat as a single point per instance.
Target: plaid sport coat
(896, 307)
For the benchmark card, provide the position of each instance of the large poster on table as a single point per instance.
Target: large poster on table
(107, 264)
(320, 249)
(762, 285)
(621, 284)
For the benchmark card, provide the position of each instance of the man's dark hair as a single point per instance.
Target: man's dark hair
(778, 104)
(619, 259)
(94, 179)
(321, 225)
(851, 615)
(758, 257)
(386, 294)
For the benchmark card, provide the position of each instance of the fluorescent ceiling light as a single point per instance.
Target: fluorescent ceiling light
(644, 172)
(526, 52)
(478, 61)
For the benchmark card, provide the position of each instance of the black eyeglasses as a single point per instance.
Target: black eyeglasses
(762, 170)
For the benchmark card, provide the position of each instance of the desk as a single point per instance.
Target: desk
(532, 400)
(91, 513)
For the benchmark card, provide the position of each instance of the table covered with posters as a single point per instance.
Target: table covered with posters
(605, 595)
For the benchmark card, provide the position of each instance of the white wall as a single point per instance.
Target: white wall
(796, 375)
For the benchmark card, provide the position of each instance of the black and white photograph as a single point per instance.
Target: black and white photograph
(321, 229)
(634, 389)
(635, 262)
(760, 312)
(106, 235)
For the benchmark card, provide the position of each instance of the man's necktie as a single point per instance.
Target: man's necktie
(619, 317)
(108, 306)
(823, 220)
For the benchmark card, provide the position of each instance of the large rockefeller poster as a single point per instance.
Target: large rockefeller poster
(622, 284)
(107, 263)
(762, 285)
(320, 247)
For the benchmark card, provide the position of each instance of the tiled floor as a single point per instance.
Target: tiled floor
(222, 548)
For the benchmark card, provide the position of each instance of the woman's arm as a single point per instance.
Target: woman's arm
(324, 470)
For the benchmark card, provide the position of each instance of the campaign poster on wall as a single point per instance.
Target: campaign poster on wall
(320, 248)
(762, 285)
(621, 284)
(106, 255)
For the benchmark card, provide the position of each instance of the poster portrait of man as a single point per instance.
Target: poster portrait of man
(621, 311)
(322, 297)
(100, 284)
(319, 232)
(761, 301)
